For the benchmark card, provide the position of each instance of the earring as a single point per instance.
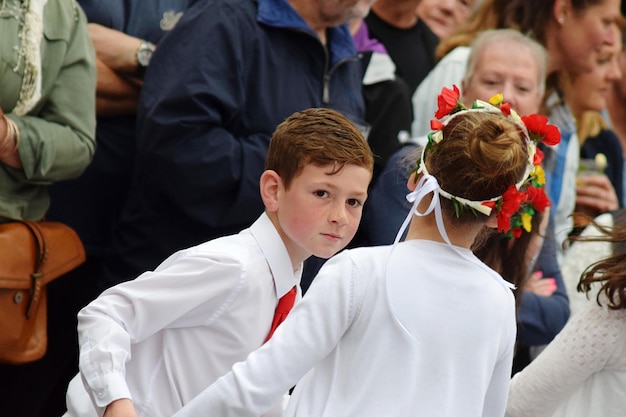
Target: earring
(561, 20)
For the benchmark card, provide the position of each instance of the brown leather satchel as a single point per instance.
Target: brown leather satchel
(32, 254)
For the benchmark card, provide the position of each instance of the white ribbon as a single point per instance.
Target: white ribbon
(426, 185)
(476, 205)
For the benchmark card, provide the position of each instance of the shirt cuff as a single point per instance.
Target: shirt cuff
(107, 389)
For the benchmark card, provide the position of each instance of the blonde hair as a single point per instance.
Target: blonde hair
(590, 124)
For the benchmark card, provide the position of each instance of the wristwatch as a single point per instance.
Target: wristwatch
(144, 54)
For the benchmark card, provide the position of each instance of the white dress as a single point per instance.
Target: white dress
(432, 336)
(582, 372)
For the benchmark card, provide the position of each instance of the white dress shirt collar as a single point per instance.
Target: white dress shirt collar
(277, 256)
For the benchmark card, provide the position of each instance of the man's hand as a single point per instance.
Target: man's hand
(116, 49)
(119, 84)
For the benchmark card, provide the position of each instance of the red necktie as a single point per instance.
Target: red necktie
(282, 309)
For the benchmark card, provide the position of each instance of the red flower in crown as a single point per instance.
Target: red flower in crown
(447, 101)
(504, 223)
(512, 199)
(538, 198)
(538, 156)
(505, 108)
(490, 204)
(436, 125)
(517, 232)
(540, 130)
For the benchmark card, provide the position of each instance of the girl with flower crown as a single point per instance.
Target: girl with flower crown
(501, 60)
(384, 331)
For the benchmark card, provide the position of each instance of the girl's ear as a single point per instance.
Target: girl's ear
(411, 183)
(270, 185)
(492, 222)
(561, 10)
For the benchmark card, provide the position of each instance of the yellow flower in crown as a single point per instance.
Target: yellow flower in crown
(497, 100)
(527, 221)
(538, 175)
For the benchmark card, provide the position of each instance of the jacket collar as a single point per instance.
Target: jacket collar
(280, 14)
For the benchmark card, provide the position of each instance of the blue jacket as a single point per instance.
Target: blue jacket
(91, 203)
(217, 86)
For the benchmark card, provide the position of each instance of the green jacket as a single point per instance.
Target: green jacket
(58, 133)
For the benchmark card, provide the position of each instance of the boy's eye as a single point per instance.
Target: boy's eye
(353, 202)
(321, 193)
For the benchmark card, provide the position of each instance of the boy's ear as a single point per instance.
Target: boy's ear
(269, 186)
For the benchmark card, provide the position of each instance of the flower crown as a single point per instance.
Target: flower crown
(519, 203)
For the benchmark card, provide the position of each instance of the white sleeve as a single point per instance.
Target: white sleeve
(495, 397)
(176, 294)
(582, 348)
(312, 329)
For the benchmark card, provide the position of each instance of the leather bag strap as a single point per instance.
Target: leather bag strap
(41, 250)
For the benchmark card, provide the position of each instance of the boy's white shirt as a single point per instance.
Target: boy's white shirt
(165, 336)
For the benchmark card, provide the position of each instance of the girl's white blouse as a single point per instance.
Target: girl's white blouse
(582, 372)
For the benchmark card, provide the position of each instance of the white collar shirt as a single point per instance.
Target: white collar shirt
(163, 337)
(421, 331)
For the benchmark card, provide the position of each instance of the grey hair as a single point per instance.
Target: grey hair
(514, 39)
